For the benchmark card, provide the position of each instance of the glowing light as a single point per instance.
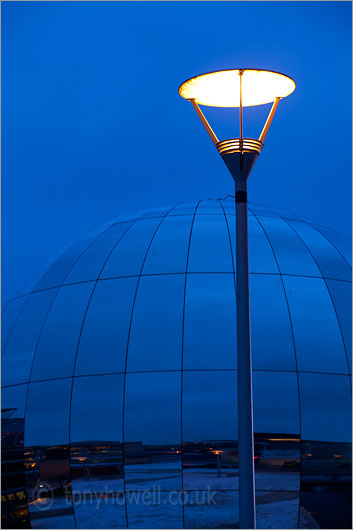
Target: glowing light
(222, 89)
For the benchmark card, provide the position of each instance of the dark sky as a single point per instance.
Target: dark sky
(93, 126)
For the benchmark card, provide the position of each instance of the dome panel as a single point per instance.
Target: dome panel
(209, 246)
(128, 256)
(9, 316)
(210, 429)
(169, 247)
(155, 343)
(330, 262)
(325, 397)
(19, 352)
(271, 333)
(292, 256)
(104, 338)
(210, 322)
(342, 243)
(341, 295)
(90, 264)
(318, 340)
(64, 322)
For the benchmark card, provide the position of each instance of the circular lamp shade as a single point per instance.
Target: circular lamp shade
(222, 89)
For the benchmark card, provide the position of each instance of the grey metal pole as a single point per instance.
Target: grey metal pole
(247, 515)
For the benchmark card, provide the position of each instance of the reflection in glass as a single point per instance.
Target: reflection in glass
(64, 322)
(210, 448)
(316, 331)
(210, 322)
(14, 512)
(271, 334)
(154, 509)
(47, 461)
(326, 413)
(277, 509)
(276, 427)
(108, 511)
(152, 431)
(326, 493)
(103, 342)
(96, 448)
(156, 328)
(21, 346)
(211, 509)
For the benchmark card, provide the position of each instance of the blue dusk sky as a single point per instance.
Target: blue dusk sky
(93, 125)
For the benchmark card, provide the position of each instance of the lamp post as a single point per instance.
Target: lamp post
(240, 88)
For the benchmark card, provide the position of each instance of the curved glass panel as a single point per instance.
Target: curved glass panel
(8, 318)
(90, 264)
(228, 206)
(64, 322)
(326, 412)
(291, 254)
(127, 257)
(261, 211)
(209, 207)
(151, 454)
(103, 342)
(150, 509)
(157, 212)
(271, 334)
(156, 327)
(341, 242)
(22, 343)
(277, 428)
(210, 248)
(106, 511)
(96, 450)
(283, 213)
(341, 294)
(169, 248)
(331, 263)
(185, 208)
(210, 431)
(211, 509)
(47, 454)
(277, 509)
(318, 340)
(56, 274)
(261, 258)
(210, 322)
(14, 512)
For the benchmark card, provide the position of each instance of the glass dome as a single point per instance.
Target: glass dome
(119, 376)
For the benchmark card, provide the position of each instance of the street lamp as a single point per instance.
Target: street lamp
(242, 87)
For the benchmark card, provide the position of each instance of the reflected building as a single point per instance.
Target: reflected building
(119, 380)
